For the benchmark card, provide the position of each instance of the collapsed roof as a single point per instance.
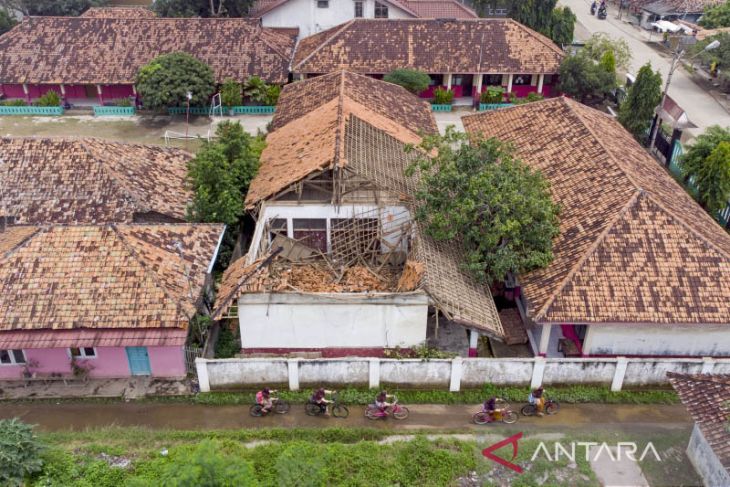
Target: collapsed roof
(111, 276)
(63, 181)
(633, 247)
(345, 120)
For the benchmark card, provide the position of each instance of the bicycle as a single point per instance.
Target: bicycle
(278, 406)
(502, 413)
(551, 407)
(338, 409)
(396, 410)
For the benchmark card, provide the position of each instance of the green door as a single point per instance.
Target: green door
(139, 361)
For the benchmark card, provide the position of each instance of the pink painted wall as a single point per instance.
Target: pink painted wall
(115, 92)
(13, 91)
(109, 362)
(75, 91)
(167, 361)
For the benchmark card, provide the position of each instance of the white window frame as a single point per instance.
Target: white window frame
(83, 355)
(12, 357)
(361, 5)
(382, 7)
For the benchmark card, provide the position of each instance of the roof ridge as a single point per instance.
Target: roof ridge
(340, 133)
(589, 252)
(343, 27)
(151, 274)
(262, 36)
(6, 255)
(403, 6)
(114, 175)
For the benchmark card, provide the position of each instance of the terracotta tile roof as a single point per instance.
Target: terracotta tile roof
(437, 9)
(82, 50)
(633, 245)
(90, 180)
(311, 122)
(119, 13)
(111, 276)
(707, 399)
(149, 337)
(514, 328)
(675, 6)
(14, 236)
(372, 46)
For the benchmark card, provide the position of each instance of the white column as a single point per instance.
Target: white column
(545, 339)
(473, 343)
(618, 376)
(25, 89)
(538, 371)
(374, 373)
(457, 365)
(447, 78)
(201, 367)
(63, 89)
(480, 82)
(134, 90)
(540, 80)
(708, 364)
(293, 366)
(587, 341)
(509, 83)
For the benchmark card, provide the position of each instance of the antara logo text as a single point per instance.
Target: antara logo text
(590, 450)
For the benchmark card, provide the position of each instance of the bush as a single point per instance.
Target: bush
(167, 80)
(227, 345)
(493, 94)
(20, 452)
(261, 92)
(50, 99)
(443, 96)
(231, 94)
(14, 103)
(410, 79)
(123, 102)
(302, 464)
(529, 98)
(272, 95)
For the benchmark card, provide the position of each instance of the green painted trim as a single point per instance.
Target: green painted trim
(493, 106)
(113, 111)
(48, 111)
(440, 108)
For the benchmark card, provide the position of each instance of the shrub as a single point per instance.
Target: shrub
(410, 79)
(493, 94)
(123, 102)
(529, 98)
(443, 96)
(14, 103)
(302, 464)
(271, 97)
(227, 345)
(231, 94)
(20, 452)
(50, 99)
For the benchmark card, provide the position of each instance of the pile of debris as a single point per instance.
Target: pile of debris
(318, 277)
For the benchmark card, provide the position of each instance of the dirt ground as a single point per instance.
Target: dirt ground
(132, 388)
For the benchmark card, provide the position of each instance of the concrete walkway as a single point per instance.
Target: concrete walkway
(700, 106)
(572, 417)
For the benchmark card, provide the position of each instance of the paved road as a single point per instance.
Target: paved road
(574, 417)
(700, 106)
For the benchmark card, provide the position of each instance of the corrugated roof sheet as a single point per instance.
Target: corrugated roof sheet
(25, 339)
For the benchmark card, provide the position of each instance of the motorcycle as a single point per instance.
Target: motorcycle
(602, 13)
(593, 8)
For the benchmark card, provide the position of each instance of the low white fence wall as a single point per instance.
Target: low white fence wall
(452, 374)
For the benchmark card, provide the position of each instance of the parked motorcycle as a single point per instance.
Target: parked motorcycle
(602, 13)
(593, 8)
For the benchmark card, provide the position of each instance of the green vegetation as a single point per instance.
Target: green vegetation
(637, 111)
(707, 162)
(20, 452)
(718, 58)
(231, 94)
(228, 344)
(50, 99)
(7, 21)
(562, 25)
(599, 44)
(51, 7)
(481, 194)
(582, 78)
(410, 79)
(543, 16)
(167, 80)
(492, 95)
(529, 98)
(202, 8)
(716, 17)
(442, 96)
(259, 91)
(13, 103)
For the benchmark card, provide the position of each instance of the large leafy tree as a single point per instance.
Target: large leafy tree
(51, 7)
(410, 79)
(497, 206)
(637, 110)
(717, 16)
(581, 78)
(599, 44)
(202, 8)
(220, 174)
(6, 21)
(539, 15)
(719, 56)
(562, 26)
(20, 452)
(167, 79)
(707, 162)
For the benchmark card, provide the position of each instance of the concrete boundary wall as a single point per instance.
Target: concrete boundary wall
(451, 374)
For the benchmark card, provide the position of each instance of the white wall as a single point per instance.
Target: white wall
(705, 340)
(310, 19)
(289, 211)
(447, 373)
(293, 320)
(705, 461)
